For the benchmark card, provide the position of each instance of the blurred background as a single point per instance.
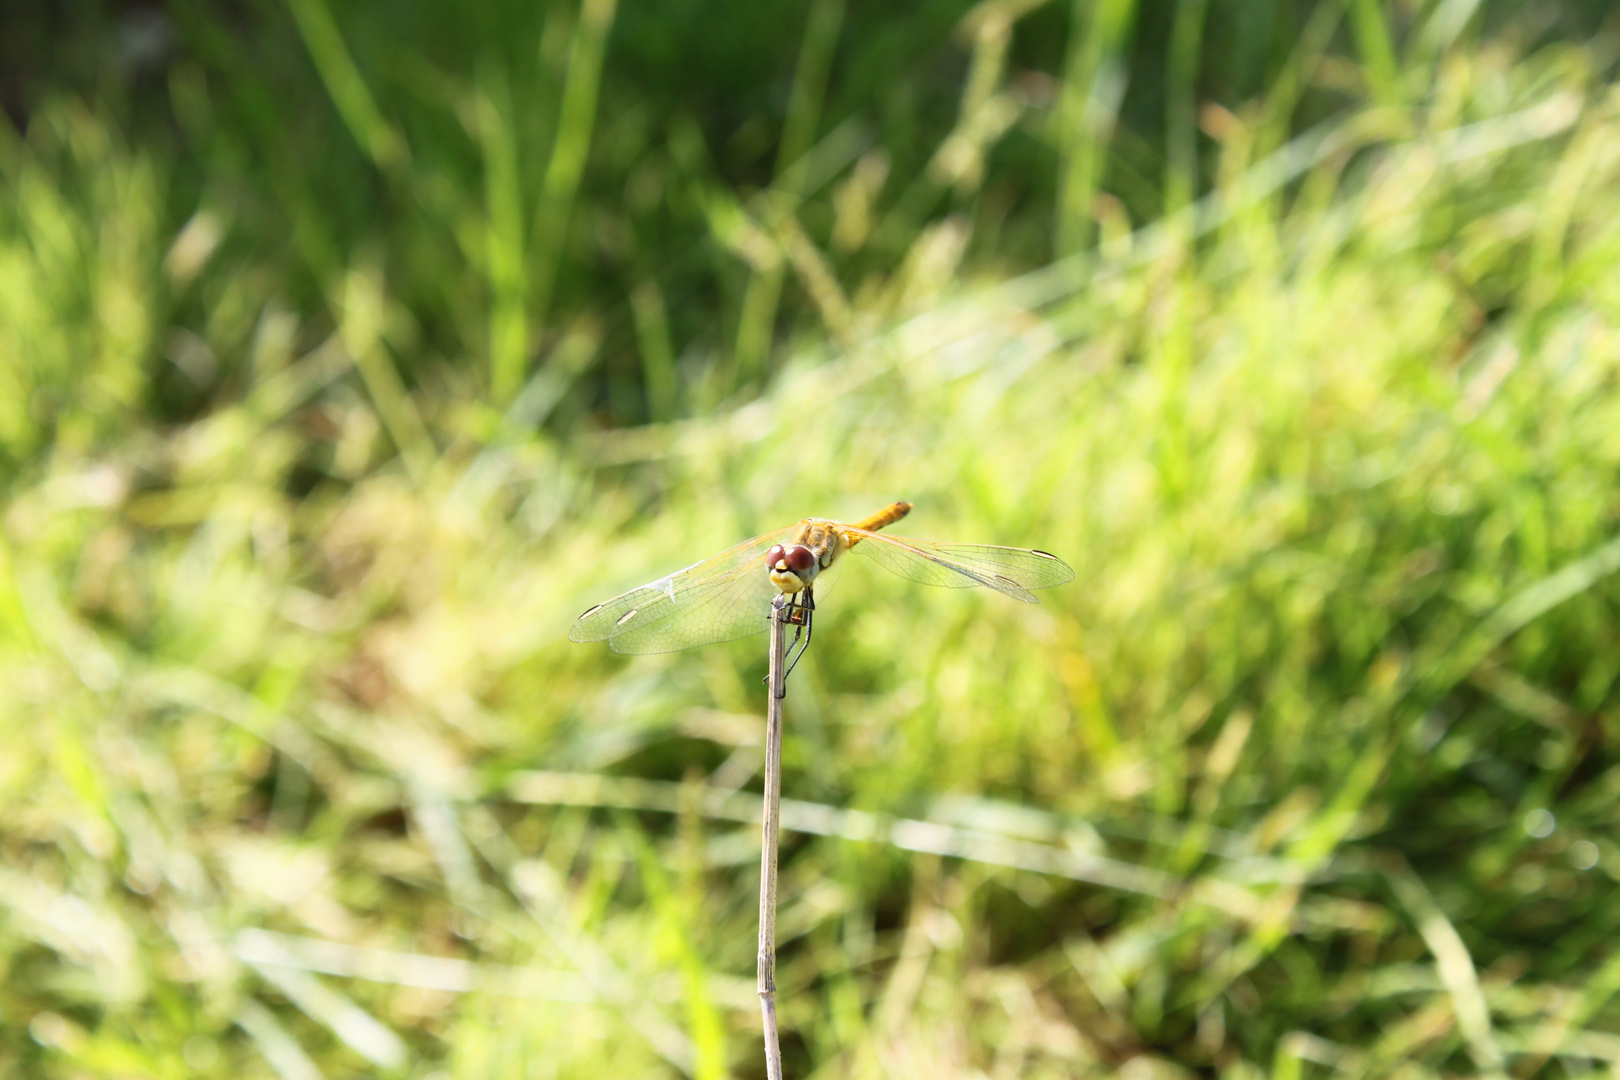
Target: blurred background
(348, 351)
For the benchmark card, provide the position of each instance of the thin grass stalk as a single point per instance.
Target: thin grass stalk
(505, 252)
(347, 87)
(770, 830)
(576, 120)
(751, 352)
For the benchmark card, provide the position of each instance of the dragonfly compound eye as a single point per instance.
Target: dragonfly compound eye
(776, 556)
(800, 558)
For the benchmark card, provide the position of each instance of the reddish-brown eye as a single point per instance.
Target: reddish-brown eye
(775, 555)
(800, 558)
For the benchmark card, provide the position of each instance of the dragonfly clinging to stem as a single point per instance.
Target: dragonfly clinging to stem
(729, 595)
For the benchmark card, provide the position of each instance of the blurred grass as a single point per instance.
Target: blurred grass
(313, 446)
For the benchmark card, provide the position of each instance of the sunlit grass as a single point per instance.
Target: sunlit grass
(1309, 771)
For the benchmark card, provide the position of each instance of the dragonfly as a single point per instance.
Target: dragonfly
(730, 595)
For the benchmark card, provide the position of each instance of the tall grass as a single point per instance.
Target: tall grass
(1311, 771)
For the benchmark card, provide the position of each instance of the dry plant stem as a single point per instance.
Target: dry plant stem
(770, 829)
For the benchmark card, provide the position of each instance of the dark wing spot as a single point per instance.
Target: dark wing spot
(1044, 554)
(1010, 581)
(627, 616)
(591, 612)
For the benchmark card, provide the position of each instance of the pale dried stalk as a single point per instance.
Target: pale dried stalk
(770, 829)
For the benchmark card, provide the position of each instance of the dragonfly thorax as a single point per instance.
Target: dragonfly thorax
(795, 566)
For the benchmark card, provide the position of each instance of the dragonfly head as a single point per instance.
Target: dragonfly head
(792, 567)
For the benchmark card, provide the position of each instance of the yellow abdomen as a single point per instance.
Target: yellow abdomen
(886, 516)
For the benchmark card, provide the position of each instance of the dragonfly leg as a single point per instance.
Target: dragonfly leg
(800, 611)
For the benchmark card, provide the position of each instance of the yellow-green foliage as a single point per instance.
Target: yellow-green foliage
(1312, 769)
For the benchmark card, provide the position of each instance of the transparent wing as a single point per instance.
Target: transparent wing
(724, 597)
(1014, 571)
